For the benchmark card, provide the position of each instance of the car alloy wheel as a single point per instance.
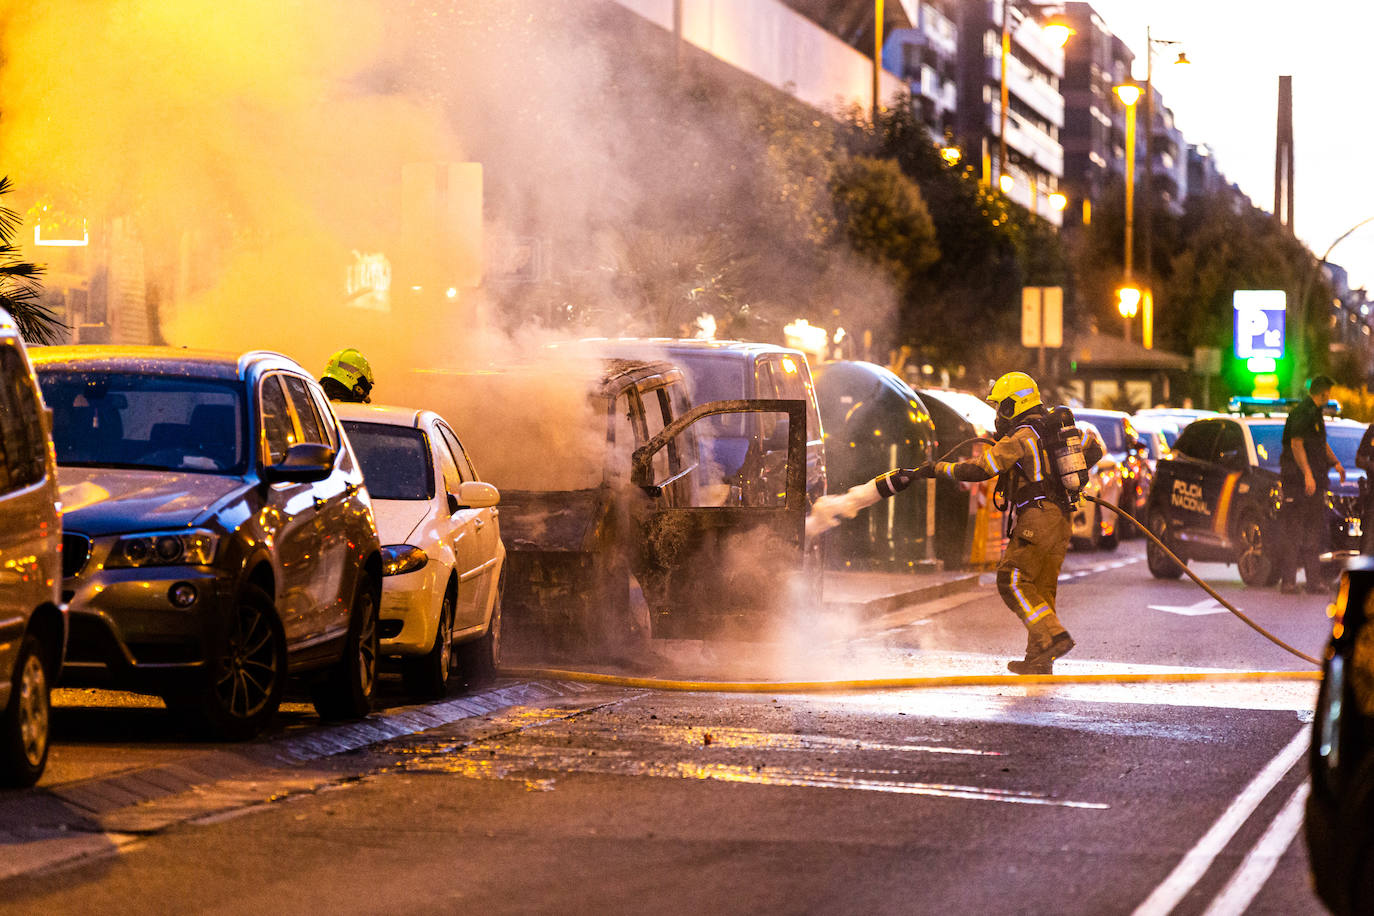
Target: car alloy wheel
(1256, 566)
(427, 676)
(33, 711)
(247, 675)
(24, 726)
(250, 667)
(345, 692)
(1161, 565)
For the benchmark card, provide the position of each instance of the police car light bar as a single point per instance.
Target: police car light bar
(1246, 405)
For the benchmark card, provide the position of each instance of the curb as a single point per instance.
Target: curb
(885, 604)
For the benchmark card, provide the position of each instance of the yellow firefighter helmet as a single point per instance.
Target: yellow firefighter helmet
(1013, 394)
(351, 369)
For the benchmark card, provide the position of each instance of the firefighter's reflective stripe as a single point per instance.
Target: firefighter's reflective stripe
(1030, 612)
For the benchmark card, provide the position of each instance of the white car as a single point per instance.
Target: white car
(441, 546)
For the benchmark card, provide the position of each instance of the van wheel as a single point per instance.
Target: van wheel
(1256, 562)
(426, 677)
(248, 673)
(24, 725)
(1162, 566)
(479, 660)
(346, 691)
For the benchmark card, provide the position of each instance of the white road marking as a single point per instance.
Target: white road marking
(1235, 898)
(1195, 864)
(1201, 609)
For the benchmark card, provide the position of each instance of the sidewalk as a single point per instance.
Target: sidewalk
(873, 594)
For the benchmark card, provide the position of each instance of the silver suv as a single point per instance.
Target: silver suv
(33, 624)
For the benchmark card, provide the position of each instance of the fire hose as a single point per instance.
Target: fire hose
(668, 684)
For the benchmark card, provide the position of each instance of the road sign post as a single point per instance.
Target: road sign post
(1042, 321)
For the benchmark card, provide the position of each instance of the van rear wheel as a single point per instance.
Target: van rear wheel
(1162, 566)
(24, 726)
(1256, 560)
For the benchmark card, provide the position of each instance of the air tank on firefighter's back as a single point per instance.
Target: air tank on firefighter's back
(874, 422)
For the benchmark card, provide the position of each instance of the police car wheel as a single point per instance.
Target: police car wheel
(1162, 566)
(1256, 564)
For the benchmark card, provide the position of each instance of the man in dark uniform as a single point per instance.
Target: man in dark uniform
(1303, 467)
(1028, 574)
(1364, 460)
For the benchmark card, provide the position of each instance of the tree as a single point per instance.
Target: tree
(884, 218)
(20, 287)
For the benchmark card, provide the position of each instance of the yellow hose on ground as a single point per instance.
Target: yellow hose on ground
(906, 683)
(1203, 585)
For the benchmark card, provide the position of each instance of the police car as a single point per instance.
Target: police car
(1216, 499)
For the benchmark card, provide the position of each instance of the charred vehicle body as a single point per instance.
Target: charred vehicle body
(217, 534)
(633, 501)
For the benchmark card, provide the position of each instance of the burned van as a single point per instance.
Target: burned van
(603, 488)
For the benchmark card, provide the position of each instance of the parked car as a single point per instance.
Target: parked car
(1130, 454)
(442, 554)
(967, 522)
(1091, 525)
(1158, 435)
(609, 488)
(1339, 822)
(874, 422)
(218, 534)
(33, 621)
(1217, 497)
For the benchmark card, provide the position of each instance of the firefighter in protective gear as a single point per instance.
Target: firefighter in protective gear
(1038, 507)
(348, 377)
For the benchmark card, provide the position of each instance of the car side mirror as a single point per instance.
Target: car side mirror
(305, 462)
(473, 494)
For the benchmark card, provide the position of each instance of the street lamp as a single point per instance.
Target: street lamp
(1147, 190)
(1129, 94)
(1056, 32)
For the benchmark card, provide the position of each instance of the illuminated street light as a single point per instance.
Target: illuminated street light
(1058, 33)
(1128, 301)
(1058, 200)
(1006, 183)
(1147, 180)
(1129, 95)
(951, 154)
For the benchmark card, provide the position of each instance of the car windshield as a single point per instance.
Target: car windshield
(1112, 429)
(395, 460)
(141, 420)
(1268, 443)
(715, 377)
(1344, 442)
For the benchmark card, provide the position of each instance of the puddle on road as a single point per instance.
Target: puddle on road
(539, 755)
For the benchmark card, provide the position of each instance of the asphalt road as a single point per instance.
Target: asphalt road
(551, 797)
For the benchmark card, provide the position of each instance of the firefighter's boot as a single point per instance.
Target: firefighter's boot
(1041, 660)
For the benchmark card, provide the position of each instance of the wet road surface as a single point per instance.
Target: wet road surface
(555, 797)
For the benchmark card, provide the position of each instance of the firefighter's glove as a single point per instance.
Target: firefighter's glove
(898, 479)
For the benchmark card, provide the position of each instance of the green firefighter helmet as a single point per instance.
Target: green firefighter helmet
(1013, 394)
(351, 370)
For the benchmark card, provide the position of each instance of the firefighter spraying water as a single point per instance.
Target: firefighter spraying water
(1041, 466)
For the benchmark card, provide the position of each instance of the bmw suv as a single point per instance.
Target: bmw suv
(218, 537)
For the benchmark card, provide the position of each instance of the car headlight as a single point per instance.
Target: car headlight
(398, 559)
(172, 548)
